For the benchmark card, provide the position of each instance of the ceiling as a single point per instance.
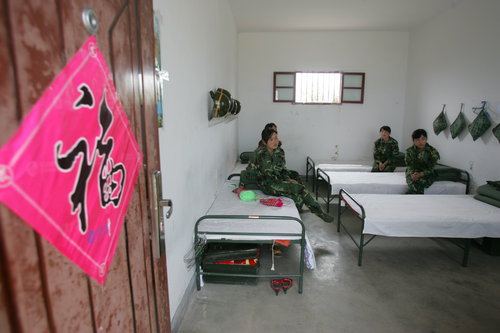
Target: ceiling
(335, 15)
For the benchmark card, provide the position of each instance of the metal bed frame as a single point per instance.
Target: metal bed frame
(321, 176)
(200, 237)
(362, 242)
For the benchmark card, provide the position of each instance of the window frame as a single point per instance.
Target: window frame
(275, 88)
(361, 88)
(344, 88)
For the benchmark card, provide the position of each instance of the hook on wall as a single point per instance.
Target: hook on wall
(90, 20)
(478, 109)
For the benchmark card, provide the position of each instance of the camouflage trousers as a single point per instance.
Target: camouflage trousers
(295, 175)
(418, 186)
(296, 192)
(388, 168)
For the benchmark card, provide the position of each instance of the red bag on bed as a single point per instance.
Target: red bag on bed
(276, 202)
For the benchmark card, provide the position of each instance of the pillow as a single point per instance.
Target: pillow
(496, 132)
(480, 125)
(246, 156)
(440, 123)
(458, 125)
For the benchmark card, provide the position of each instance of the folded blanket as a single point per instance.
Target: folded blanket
(494, 183)
(489, 191)
(487, 200)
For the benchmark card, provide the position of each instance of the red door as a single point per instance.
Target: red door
(41, 290)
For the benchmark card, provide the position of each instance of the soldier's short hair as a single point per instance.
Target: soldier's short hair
(267, 133)
(418, 133)
(385, 128)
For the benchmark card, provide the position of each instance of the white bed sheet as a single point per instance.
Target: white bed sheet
(455, 216)
(228, 203)
(385, 183)
(350, 166)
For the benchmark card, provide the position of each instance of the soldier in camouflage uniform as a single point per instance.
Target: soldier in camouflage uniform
(292, 173)
(273, 178)
(385, 152)
(420, 161)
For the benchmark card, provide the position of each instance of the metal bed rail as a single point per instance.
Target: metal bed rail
(311, 167)
(359, 211)
(231, 176)
(202, 236)
(321, 176)
(463, 176)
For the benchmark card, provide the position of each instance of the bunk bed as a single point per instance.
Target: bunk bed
(230, 220)
(445, 216)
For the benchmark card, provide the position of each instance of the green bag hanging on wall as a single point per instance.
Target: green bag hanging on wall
(496, 132)
(458, 125)
(480, 125)
(440, 123)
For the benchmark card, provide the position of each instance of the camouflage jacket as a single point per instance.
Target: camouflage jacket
(421, 161)
(386, 151)
(270, 168)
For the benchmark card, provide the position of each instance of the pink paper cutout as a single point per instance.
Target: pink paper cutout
(70, 169)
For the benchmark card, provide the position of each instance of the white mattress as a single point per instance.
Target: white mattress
(455, 216)
(385, 183)
(350, 166)
(228, 203)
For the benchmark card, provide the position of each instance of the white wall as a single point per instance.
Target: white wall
(307, 130)
(198, 44)
(456, 59)
(451, 60)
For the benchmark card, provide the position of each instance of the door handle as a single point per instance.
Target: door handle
(158, 230)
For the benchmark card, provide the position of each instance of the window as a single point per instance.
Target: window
(318, 87)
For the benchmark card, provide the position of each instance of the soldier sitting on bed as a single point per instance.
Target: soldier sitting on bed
(421, 158)
(385, 152)
(293, 174)
(273, 178)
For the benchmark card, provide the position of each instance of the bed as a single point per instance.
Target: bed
(230, 220)
(446, 216)
(449, 181)
(339, 166)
